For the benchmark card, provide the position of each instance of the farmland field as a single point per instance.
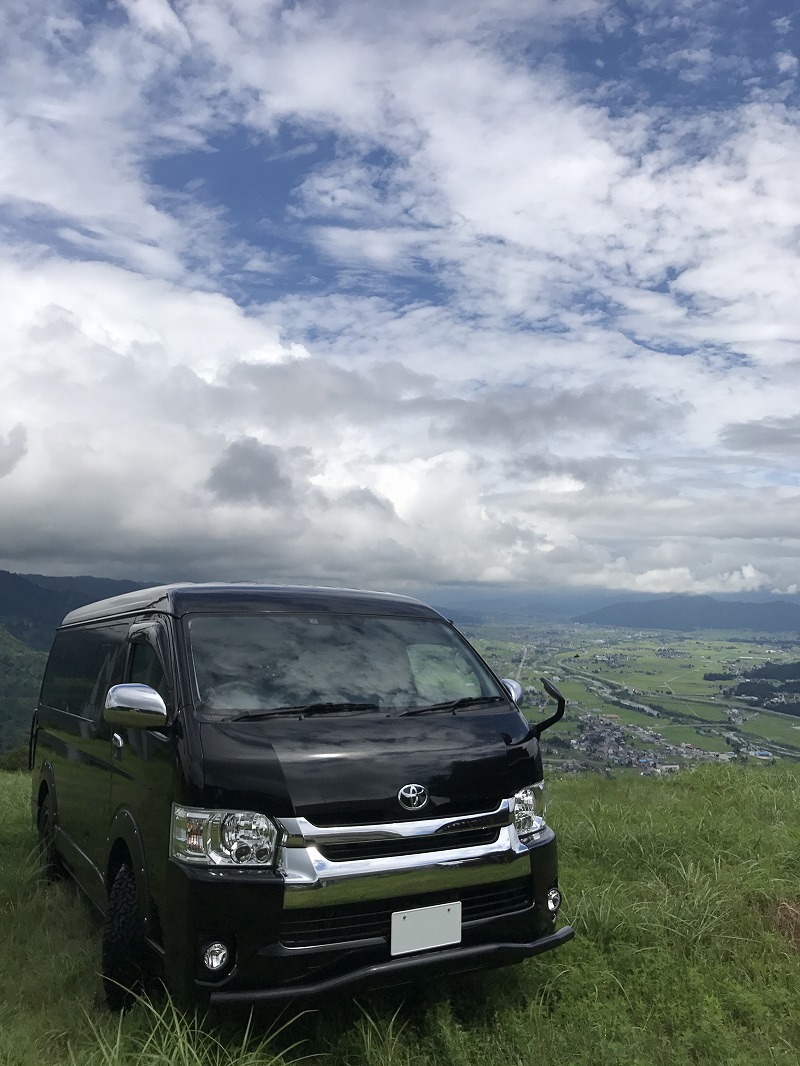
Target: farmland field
(647, 681)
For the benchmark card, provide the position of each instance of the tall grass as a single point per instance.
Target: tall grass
(685, 894)
(166, 1036)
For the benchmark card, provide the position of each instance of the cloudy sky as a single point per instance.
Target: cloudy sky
(399, 294)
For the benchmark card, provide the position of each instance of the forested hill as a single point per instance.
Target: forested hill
(698, 612)
(31, 605)
(21, 669)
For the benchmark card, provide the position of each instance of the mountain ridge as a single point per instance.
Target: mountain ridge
(32, 606)
(688, 613)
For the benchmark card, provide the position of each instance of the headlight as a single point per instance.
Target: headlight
(529, 810)
(223, 838)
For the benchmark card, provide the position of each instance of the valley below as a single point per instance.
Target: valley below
(647, 701)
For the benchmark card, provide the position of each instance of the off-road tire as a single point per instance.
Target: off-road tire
(46, 825)
(123, 942)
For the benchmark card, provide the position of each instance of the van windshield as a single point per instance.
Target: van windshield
(264, 662)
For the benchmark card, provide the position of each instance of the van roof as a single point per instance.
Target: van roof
(180, 599)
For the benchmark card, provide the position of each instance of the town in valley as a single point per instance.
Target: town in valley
(652, 702)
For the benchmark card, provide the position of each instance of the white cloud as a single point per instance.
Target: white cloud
(156, 16)
(558, 344)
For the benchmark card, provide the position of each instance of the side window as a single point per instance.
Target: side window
(83, 665)
(440, 673)
(146, 669)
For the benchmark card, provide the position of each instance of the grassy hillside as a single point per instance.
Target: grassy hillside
(21, 669)
(685, 894)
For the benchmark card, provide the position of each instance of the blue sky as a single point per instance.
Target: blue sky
(402, 295)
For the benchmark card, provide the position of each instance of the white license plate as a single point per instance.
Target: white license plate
(426, 927)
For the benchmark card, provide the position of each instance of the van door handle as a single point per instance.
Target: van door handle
(117, 741)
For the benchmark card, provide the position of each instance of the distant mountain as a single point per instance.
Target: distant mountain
(92, 588)
(32, 605)
(471, 603)
(698, 612)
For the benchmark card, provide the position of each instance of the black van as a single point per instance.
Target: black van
(274, 792)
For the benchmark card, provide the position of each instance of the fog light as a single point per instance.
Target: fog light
(215, 956)
(553, 900)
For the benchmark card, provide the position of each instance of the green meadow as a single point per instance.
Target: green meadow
(685, 897)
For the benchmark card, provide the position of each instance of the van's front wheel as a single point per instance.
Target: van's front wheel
(123, 942)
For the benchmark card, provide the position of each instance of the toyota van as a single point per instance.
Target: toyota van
(277, 792)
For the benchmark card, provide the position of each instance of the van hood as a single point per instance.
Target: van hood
(348, 769)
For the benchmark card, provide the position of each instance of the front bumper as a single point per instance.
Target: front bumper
(321, 922)
(401, 971)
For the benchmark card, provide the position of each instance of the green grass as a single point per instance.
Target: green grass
(684, 892)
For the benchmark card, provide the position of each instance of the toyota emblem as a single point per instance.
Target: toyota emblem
(413, 797)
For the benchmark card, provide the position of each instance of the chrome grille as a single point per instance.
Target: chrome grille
(380, 849)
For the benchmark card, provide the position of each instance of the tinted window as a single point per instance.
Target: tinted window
(83, 665)
(146, 669)
(247, 662)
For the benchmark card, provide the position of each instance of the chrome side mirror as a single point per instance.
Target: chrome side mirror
(513, 688)
(135, 705)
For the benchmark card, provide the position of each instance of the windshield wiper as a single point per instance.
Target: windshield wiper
(452, 705)
(304, 710)
(332, 708)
